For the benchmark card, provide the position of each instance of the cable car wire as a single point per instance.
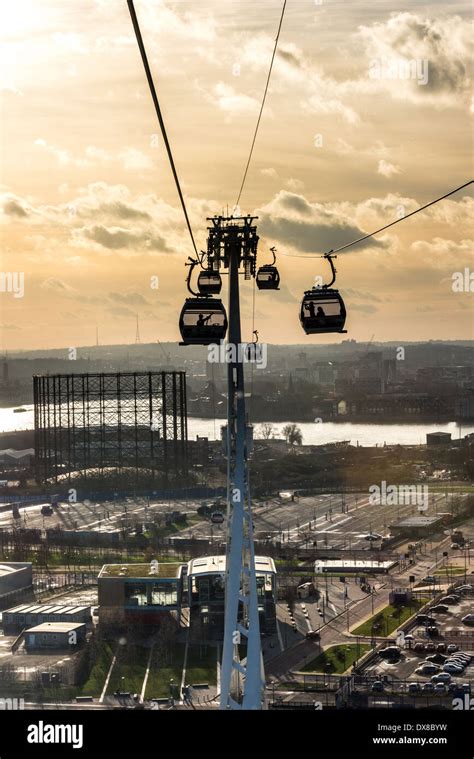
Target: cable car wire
(262, 106)
(156, 103)
(377, 231)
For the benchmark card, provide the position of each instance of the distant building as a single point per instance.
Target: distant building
(417, 527)
(55, 636)
(438, 438)
(139, 593)
(15, 578)
(353, 566)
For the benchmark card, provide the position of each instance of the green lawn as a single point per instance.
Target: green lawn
(201, 666)
(387, 620)
(95, 682)
(131, 665)
(336, 659)
(162, 671)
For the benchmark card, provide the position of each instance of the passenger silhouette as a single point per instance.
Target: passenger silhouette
(310, 307)
(202, 320)
(320, 314)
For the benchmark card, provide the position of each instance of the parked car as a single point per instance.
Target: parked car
(440, 688)
(450, 600)
(419, 647)
(441, 677)
(441, 647)
(427, 687)
(428, 668)
(377, 686)
(465, 589)
(414, 688)
(452, 647)
(424, 619)
(432, 631)
(312, 635)
(453, 669)
(468, 619)
(429, 580)
(440, 609)
(455, 547)
(430, 647)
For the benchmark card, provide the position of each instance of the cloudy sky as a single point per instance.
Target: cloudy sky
(368, 116)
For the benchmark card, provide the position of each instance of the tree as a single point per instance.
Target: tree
(266, 431)
(292, 434)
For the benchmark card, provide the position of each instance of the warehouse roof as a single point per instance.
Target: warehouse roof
(56, 627)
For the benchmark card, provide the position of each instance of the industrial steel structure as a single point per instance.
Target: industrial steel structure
(107, 423)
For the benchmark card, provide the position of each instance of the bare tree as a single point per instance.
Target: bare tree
(266, 431)
(292, 434)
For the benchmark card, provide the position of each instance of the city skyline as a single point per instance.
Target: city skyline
(367, 118)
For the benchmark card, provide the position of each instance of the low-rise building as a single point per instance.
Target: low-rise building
(139, 593)
(55, 636)
(206, 598)
(18, 618)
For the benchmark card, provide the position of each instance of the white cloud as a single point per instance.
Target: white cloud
(387, 169)
(445, 44)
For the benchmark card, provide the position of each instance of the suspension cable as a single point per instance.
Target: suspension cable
(262, 106)
(154, 96)
(377, 231)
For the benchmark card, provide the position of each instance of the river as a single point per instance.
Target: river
(313, 433)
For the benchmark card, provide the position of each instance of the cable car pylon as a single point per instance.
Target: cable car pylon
(233, 242)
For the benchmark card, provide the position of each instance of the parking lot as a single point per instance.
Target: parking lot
(453, 637)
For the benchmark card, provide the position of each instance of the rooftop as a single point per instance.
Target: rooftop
(217, 564)
(6, 569)
(418, 521)
(56, 627)
(169, 570)
(46, 608)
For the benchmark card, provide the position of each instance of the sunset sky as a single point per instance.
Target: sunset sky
(90, 211)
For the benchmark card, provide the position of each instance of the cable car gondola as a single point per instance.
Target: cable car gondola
(209, 282)
(203, 321)
(322, 308)
(268, 276)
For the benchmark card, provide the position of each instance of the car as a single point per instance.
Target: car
(452, 647)
(440, 688)
(441, 677)
(453, 669)
(414, 688)
(465, 589)
(462, 655)
(455, 547)
(441, 647)
(468, 619)
(428, 668)
(430, 647)
(377, 686)
(455, 659)
(427, 687)
(312, 635)
(429, 580)
(432, 631)
(419, 647)
(440, 609)
(424, 619)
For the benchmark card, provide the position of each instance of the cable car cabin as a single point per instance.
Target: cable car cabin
(203, 321)
(209, 282)
(268, 278)
(322, 311)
